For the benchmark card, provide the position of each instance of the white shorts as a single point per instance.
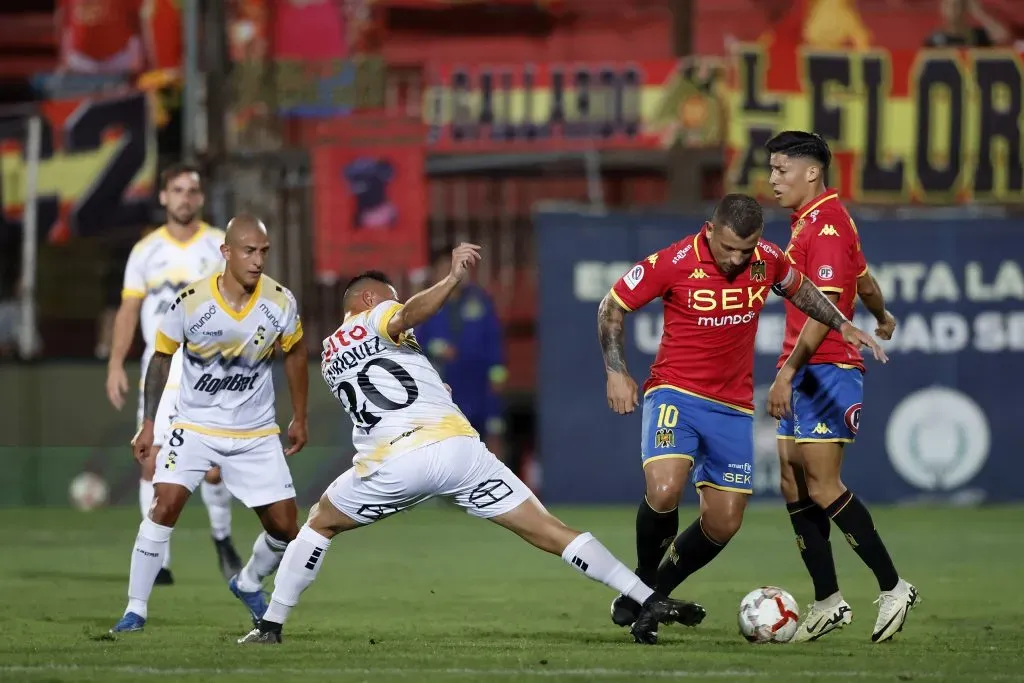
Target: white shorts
(459, 467)
(254, 469)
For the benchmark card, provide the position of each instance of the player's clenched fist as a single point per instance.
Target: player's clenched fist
(621, 393)
(143, 441)
(464, 256)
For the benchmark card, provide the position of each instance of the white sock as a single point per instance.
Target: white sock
(146, 496)
(150, 545)
(831, 602)
(217, 500)
(586, 554)
(267, 552)
(299, 567)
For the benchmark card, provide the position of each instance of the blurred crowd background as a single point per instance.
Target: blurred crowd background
(377, 133)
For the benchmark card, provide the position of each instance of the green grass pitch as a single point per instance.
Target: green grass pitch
(433, 595)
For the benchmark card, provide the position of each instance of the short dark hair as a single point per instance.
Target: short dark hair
(740, 213)
(799, 143)
(175, 170)
(353, 285)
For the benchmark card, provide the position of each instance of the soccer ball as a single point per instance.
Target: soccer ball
(88, 491)
(768, 615)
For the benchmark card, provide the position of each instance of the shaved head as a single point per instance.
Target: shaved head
(245, 249)
(366, 290)
(242, 226)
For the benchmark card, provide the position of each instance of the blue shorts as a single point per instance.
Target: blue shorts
(826, 405)
(716, 438)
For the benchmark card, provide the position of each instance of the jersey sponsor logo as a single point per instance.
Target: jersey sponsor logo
(723, 320)
(813, 215)
(728, 299)
(664, 438)
(852, 417)
(203, 319)
(821, 429)
(274, 322)
(828, 231)
(698, 274)
(212, 385)
(758, 271)
(633, 277)
(681, 254)
(825, 272)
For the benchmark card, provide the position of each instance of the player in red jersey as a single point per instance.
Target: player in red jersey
(698, 401)
(818, 391)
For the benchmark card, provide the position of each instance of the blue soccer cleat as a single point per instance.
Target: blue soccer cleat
(255, 602)
(128, 623)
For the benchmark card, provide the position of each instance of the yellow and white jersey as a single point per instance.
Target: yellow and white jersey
(160, 266)
(227, 388)
(392, 393)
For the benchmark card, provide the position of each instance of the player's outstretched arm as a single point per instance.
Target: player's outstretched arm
(125, 322)
(870, 294)
(422, 306)
(622, 391)
(817, 306)
(296, 369)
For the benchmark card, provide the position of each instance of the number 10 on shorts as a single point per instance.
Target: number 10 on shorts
(668, 415)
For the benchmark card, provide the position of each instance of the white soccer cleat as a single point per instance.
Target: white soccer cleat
(822, 618)
(893, 608)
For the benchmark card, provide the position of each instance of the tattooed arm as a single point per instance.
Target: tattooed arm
(611, 320)
(156, 379)
(817, 306)
(621, 389)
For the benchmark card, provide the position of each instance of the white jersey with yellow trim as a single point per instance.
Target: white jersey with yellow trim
(392, 393)
(158, 267)
(227, 388)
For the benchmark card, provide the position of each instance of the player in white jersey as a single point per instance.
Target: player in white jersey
(228, 327)
(413, 444)
(160, 264)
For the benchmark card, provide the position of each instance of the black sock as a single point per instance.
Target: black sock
(812, 526)
(654, 532)
(269, 626)
(691, 550)
(854, 520)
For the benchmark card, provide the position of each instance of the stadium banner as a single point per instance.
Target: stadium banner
(370, 195)
(940, 422)
(906, 126)
(97, 166)
(532, 107)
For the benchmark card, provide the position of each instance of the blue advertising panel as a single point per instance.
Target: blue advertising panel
(940, 422)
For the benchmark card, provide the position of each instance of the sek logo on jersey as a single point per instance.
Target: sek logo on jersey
(212, 385)
(745, 301)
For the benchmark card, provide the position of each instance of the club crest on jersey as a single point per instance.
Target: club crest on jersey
(261, 335)
(758, 271)
(664, 438)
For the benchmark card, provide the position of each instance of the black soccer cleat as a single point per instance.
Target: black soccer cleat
(227, 558)
(261, 637)
(658, 610)
(625, 610)
(164, 577)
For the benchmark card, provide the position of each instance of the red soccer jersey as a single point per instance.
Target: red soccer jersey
(707, 346)
(826, 248)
